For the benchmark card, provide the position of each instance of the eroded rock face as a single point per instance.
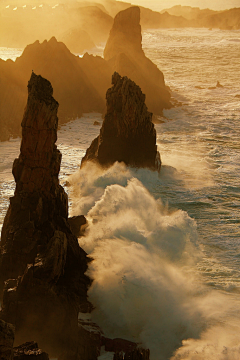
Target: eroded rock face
(124, 54)
(127, 132)
(6, 340)
(41, 264)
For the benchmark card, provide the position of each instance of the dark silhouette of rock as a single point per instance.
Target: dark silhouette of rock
(124, 54)
(219, 85)
(96, 123)
(91, 349)
(137, 354)
(29, 351)
(127, 133)
(80, 84)
(6, 340)
(118, 345)
(77, 224)
(41, 264)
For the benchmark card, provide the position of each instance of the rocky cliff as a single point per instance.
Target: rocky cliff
(124, 54)
(79, 84)
(127, 132)
(41, 264)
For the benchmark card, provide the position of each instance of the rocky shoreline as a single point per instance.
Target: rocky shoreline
(43, 283)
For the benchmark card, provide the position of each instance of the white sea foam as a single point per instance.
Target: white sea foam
(145, 287)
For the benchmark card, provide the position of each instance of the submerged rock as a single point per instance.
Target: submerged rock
(41, 264)
(127, 133)
(124, 54)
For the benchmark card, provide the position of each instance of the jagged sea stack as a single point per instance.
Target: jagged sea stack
(125, 55)
(41, 264)
(127, 132)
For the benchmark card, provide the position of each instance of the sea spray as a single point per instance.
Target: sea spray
(146, 286)
(143, 288)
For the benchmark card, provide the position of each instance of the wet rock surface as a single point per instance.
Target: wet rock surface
(127, 133)
(124, 54)
(41, 264)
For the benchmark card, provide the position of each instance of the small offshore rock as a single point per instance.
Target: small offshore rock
(96, 123)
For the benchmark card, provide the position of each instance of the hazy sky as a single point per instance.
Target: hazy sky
(163, 4)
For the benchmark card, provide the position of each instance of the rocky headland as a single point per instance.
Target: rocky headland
(80, 84)
(127, 133)
(43, 286)
(125, 55)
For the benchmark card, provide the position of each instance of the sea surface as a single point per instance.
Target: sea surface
(166, 248)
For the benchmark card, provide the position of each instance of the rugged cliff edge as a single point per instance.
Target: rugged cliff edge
(124, 54)
(127, 132)
(41, 264)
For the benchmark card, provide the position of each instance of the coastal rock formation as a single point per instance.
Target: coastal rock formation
(6, 340)
(121, 348)
(41, 264)
(124, 54)
(127, 133)
(79, 84)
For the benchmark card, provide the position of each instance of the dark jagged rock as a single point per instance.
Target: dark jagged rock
(92, 341)
(137, 354)
(6, 340)
(41, 263)
(127, 133)
(219, 85)
(77, 224)
(119, 345)
(29, 351)
(124, 54)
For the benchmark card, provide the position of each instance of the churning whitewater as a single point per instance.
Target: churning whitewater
(166, 248)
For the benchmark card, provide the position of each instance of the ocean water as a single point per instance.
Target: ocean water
(166, 248)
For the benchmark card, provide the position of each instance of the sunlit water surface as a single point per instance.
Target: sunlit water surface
(199, 146)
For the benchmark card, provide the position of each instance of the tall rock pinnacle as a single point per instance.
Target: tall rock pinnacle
(41, 262)
(124, 54)
(125, 35)
(127, 132)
